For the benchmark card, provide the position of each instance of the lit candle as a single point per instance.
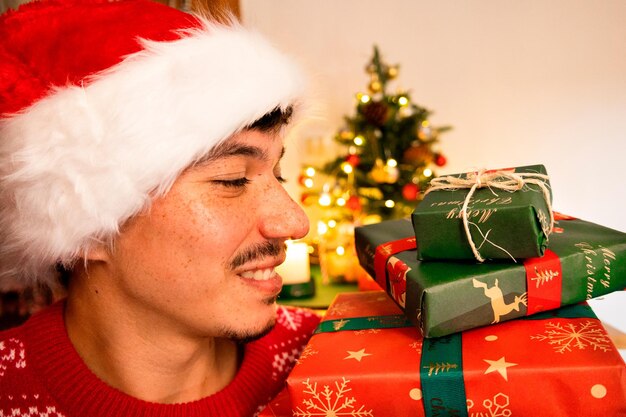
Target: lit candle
(296, 268)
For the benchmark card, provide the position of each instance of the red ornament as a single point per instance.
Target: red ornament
(353, 159)
(353, 203)
(440, 160)
(410, 192)
(304, 199)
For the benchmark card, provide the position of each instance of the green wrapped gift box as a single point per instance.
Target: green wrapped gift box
(502, 223)
(584, 261)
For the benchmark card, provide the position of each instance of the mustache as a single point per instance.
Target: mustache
(258, 251)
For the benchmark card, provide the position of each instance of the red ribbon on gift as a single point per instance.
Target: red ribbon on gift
(544, 277)
(560, 216)
(386, 251)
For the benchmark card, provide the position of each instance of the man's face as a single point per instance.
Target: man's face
(202, 258)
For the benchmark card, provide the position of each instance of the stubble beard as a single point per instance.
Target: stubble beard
(246, 336)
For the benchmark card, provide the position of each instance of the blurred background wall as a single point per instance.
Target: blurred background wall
(521, 82)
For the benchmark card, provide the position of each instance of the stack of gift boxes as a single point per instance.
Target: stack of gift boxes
(483, 311)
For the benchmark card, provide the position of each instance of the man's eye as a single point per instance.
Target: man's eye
(236, 183)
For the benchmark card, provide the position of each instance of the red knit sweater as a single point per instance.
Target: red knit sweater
(42, 375)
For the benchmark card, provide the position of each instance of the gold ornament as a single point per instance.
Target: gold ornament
(375, 86)
(378, 172)
(392, 72)
(392, 172)
(418, 154)
(346, 135)
(385, 173)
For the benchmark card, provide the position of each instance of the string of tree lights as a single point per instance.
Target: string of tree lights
(388, 154)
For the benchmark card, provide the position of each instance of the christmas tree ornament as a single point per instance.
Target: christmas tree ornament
(410, 191)
(306, 199)
(346, 135)
(418, 155)
(440, 160)
(385, 173)
(376, 112)
(354, 203)
(424, 132)
(353, 160)
(392, 173)
(375, 86)
(392, 72)
(378, 173)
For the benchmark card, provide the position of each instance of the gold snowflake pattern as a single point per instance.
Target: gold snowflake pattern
(330, 403)
(543, 276)
(496, 407)
(417, 346)
(306, 353)
(566, 337)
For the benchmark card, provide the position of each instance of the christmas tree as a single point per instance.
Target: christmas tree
(388, 155)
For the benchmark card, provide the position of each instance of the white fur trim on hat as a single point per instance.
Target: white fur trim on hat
(78, 163)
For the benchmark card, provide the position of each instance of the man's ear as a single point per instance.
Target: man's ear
(98, 252)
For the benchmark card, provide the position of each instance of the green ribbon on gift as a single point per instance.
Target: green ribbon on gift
(364, 323)
(573, 311)
(441, 365)
(441, 373)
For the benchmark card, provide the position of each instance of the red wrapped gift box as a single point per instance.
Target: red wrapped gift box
(363, 365)
(280, 406)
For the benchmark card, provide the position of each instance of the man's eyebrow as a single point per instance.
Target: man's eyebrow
(228, 148)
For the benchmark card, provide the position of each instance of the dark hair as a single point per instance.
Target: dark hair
(273, 120)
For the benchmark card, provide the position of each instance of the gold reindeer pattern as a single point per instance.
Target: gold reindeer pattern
(498, 305)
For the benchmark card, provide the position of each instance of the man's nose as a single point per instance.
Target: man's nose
(283, 218)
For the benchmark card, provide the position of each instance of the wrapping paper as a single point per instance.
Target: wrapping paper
(584, 261)
(548, 366)
(503, 224)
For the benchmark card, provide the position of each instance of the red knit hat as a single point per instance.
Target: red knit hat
(103, 104)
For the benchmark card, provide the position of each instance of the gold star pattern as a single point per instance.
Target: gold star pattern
(358, 355)
(499, 366)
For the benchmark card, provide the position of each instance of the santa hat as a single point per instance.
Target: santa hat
(102, 105)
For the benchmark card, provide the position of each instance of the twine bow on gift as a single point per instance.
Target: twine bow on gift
(501, 180)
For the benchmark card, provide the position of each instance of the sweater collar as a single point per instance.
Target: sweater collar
(80, 392)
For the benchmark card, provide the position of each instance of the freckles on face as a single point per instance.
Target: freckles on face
(201, 254)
